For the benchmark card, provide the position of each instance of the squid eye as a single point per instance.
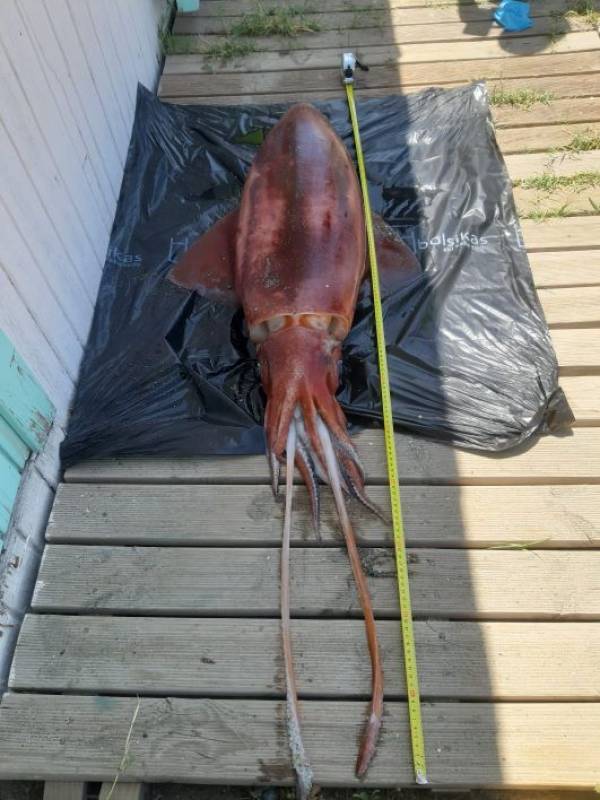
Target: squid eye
(258, 333)
(275, 324)
(319, 322)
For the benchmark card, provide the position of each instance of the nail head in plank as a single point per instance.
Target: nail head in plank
(454, 584)
(434, 516)
(201, 657)
(243, 742)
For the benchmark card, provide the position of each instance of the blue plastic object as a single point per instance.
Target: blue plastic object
(513, 15)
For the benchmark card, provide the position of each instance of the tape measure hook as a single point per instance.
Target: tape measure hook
(349, 64)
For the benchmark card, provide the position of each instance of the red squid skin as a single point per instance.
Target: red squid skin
(301, 233)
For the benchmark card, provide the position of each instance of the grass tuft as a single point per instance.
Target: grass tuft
(543, 214)
(519, 98)
(549, 183)
(585, 11)
(229, 48)
(287, 21)
(581, 142)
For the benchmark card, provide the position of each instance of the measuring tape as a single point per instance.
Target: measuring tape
(349, 63)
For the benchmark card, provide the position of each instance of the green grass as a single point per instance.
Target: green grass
(543, 214)
(287, 21)
(549, 183)
(179, 45)
(587, 140)
(230, 48)
(222, 50)
(586, 11)
(519, 98)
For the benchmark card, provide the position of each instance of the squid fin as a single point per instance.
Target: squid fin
(397, 263)
(207, 267)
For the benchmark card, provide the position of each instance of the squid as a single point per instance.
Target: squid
(293, 256)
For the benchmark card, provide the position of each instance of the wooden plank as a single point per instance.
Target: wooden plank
(579, 268)
(569, 233)
(561, 110)
(527, 165)
(23, 404)
(569, 459)
(453, 584)
(571, 306)
(542, 138)
(64, 790)
(472, 516)
(293, 82)
(201, 658)
(560, 86)
(578, 351)
(242, 742)
(122, 791)
(359, 28)
(362, 18)
(219, 8)
(380, 55)
(564, 202)
(443, 25)
(583, 394)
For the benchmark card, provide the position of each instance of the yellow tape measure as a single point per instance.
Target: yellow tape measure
(406, 624)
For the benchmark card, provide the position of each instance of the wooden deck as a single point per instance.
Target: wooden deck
(158, 588)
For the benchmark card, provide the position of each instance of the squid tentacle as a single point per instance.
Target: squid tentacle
(305, 464)
(304, 773)
(373, 724)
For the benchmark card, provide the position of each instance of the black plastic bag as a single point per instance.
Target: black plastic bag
(470, 357)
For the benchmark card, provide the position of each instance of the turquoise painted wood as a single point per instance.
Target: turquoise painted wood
(10, 477)
(188, 5)
(12, 446)
(26, 416)
(23, 404)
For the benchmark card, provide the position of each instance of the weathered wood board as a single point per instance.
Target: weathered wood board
(573, 458)
(201, 657)
(226, 86)
(230, 581)
(248, 516)
(243, 741)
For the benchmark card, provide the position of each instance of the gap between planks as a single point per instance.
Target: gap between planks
(508, 661)
(507, 745)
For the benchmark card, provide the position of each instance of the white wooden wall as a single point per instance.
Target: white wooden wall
(68, 76)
